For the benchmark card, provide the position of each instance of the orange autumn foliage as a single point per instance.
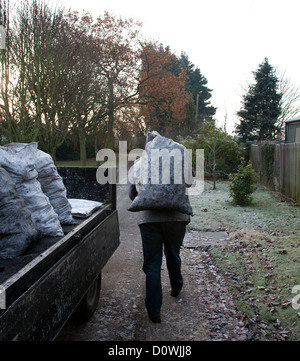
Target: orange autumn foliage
(162, 89)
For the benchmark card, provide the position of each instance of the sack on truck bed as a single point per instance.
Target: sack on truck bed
(51, 182)
(160, 178)
(52, 185)
(20, 165)
(17, 229)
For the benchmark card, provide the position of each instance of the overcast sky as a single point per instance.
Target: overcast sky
(225, 39)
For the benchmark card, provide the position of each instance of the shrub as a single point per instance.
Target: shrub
(221, 152)
(241, 184)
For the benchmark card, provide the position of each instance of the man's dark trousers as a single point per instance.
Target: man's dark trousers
(156, 237)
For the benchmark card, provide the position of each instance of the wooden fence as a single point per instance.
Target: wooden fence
(278, 167)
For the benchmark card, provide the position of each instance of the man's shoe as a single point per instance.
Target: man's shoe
(155, 319)
(175, 293)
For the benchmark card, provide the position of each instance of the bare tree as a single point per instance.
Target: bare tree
(7, 125)
(85, 90)
(290, 102)
(37, 66)
(52, 83)
(117, 62)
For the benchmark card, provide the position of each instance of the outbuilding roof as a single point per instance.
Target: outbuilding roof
(297, 119)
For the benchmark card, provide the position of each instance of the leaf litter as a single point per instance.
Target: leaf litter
(257, 259)
(234, 287)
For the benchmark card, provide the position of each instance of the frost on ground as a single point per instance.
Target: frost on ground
(260, 258)
(206, 309)
(214, 212)
(219, 315)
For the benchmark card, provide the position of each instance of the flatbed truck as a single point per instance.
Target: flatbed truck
(60, 277)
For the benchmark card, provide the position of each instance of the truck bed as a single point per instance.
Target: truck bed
(17, 274)
(20, 273)
(11, 266)
(44, 285)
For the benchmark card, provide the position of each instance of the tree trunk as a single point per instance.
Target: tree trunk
(110, 127)
(214, 171)
(82, 145)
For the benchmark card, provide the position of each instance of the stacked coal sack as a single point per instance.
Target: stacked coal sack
(159, 177)
(52, 185)
(25, 166)
(17, 229)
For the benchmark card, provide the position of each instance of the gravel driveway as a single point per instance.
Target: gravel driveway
(203, 311)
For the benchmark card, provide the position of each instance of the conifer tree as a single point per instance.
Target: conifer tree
(261, 106)
(199, 108)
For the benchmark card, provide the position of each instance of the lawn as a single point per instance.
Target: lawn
(76, 163)
(91, 162)
(261, 259)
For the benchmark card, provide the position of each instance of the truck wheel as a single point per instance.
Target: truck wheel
(89, 303)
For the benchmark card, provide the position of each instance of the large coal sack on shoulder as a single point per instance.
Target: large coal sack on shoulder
(17, 229)
(159, 177)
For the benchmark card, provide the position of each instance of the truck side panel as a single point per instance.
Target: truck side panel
(40, 313)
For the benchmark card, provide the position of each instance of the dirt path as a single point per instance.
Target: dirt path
(203, 311)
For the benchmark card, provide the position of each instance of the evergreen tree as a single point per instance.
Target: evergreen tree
(261, 106)
(199, 108)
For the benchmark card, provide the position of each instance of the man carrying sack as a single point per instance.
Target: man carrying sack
(164, 212)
